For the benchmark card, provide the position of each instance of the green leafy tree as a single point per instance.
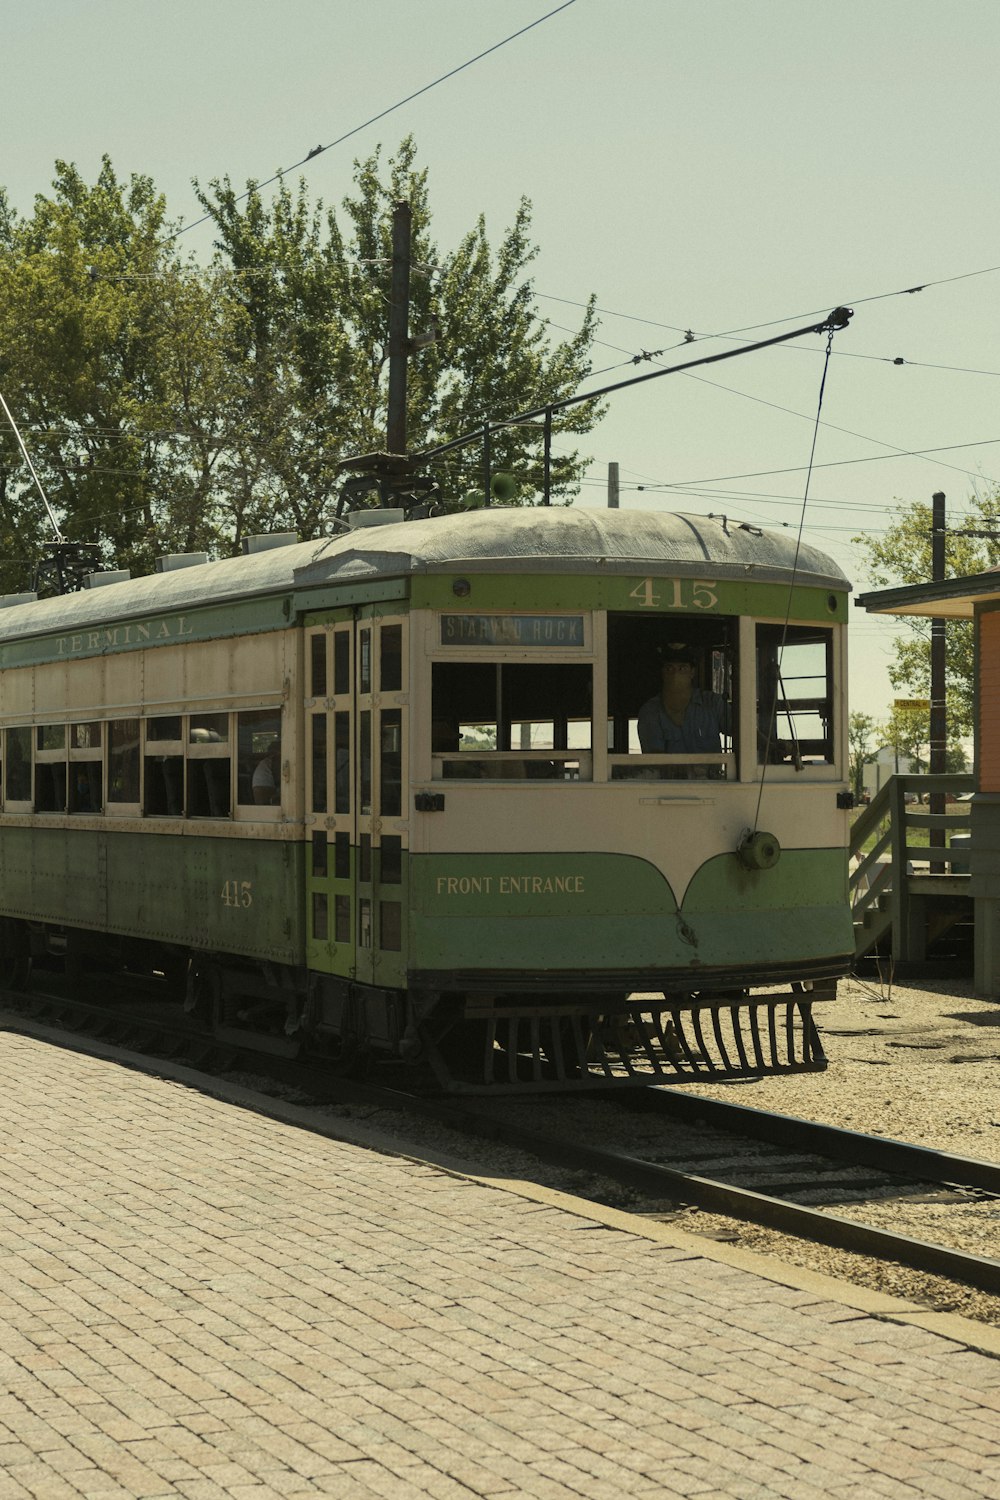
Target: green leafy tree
(908, 731)
(173, 407)
(903, 555)
(861, 732)
(110, 359)
(310, 294)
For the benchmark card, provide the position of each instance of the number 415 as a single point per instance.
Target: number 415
(669, 593)
(237, 893)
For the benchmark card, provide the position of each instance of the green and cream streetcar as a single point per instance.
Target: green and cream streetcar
(390, 793)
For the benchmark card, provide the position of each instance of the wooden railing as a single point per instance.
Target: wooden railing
(888, 897)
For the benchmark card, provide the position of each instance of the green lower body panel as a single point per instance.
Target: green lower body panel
(606, 912)
(239, 896)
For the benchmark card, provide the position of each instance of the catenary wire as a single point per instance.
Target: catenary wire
(319, 150)
(836, 463)
(776, 406)
(690, 336)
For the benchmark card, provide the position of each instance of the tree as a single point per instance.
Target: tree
(175, 407)
(309, 301)
(861, 731)
(903, 555)
(110, 359)
(908, 731)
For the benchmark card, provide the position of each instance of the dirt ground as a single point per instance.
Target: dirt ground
(917, 1062)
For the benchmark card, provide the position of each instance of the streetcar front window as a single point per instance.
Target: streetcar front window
(672, 709)
(512, 720)
(795, 695)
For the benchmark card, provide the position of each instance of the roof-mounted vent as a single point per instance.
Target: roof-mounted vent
(268, 542)
(177, 560)
(378, 516)
(7, 601)
(101, 580)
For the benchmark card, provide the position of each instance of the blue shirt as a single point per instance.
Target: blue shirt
(699, 734)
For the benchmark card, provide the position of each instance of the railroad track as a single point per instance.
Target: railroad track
(804, 1159)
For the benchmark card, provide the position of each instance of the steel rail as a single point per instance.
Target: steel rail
(647, 1177)
(724, 1198)
(707, 1193)
(881, 1152)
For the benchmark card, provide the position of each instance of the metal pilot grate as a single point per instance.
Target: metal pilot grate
(525, 1049)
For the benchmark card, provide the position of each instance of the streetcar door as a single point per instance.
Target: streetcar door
(331, 865)
(381, 759)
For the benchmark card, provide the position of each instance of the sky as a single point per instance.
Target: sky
(732, 167)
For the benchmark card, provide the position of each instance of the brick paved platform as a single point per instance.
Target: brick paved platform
(201, 1301)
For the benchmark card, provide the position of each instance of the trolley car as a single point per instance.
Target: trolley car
(383, 795)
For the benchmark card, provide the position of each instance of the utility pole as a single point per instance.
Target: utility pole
(399, 328)
(392, 471)
(939, 724)
(612, 486)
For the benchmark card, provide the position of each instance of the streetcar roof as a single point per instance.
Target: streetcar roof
(494, 539)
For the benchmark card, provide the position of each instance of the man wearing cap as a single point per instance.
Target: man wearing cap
(681, 719)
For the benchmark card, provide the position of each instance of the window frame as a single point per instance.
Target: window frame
(257, 812)
(833, 769)
(19, 805)
(85, 755)
(514, 766)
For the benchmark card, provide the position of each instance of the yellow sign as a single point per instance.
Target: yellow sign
(913, 705)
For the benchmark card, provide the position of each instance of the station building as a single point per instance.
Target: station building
(975, 598)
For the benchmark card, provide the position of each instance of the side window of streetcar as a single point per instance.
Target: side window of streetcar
(123, 761)
(50, 768)
(17, 765)
(795, 695)
(86, 768)
(164, 767)
(258, 757)
(209, 766)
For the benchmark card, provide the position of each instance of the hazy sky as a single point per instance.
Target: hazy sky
(697, 164)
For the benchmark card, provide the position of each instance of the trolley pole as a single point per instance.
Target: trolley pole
(939, 725)
(399, 329)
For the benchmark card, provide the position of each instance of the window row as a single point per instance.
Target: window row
(173, 766)
(338, 797)
(330, 661)
(333, 857)
(673, 691)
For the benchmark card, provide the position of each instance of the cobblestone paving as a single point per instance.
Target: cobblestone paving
(199, 1301)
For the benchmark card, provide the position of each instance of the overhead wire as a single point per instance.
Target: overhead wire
(836, 463)
(773, 711)
(320, 150)
(651, 356)
(690, 336)
(38, 483)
